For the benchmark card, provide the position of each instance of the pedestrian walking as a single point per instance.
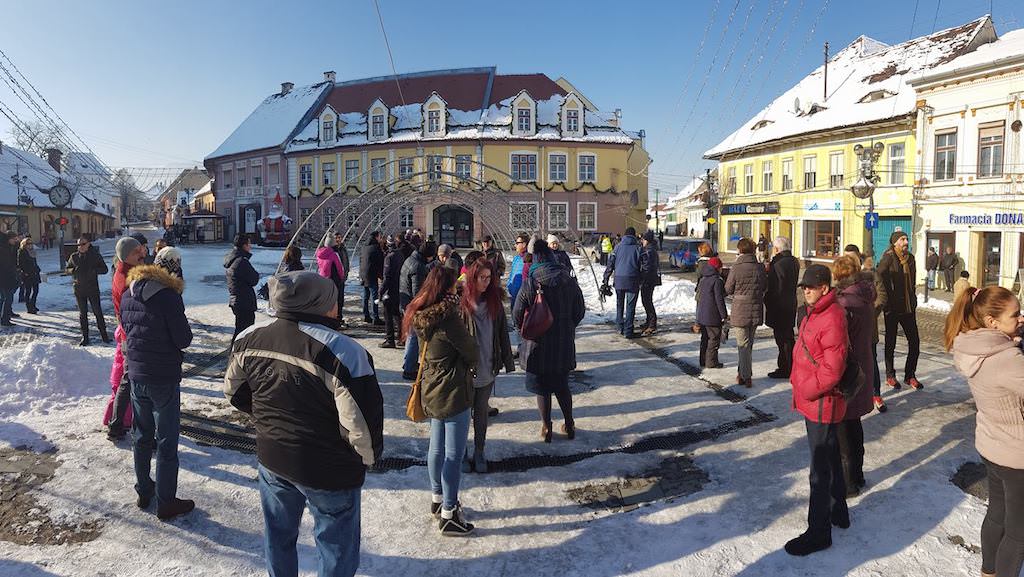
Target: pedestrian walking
(241, 280)
(746, 283)
(515, 269)
(484, 315)
(390, 292)
(156, 336)
(895, 278)
(711, 312)
(9, 280)
(449, 357)
(855, 292)
(85, 266)
(493, 254)
(313, 449)
(818, 365)
(780, 303)
(549, 358)
(28, 267)
(342, 251)
(624, 264)
(118, 415)
(931, 264)
(948, 265)
(414, 273)
(371, 270)
(650, 277)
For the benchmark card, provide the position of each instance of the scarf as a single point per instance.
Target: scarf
(908, 282)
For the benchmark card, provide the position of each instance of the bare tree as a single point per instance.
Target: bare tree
(36, 137)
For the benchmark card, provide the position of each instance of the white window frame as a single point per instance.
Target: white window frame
(273, 173)
(564, 225)
(572, 121)
(531, 108)
(991, 169)
(405, 216)
(526, 227)
(813, 172)
(579, 169)
(836, 162)
(327, 170)
(748, 178)
(406, 167)
(896, 172)
(512, 165)
(377, 170)
(306, 175)
(948, 153)
(463, 165)
(327, 131)
(435, 167)
(228, 176)
(552, 177)
(240, 176)
(730, 180)
(433, 121)
(579, 216)
(378, 110)
(349, 169)
(787, 174)
(438, 128)
(377, 126)
(767, 175)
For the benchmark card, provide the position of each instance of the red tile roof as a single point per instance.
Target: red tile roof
(539, 86)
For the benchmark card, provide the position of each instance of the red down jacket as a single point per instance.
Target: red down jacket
(823, 333)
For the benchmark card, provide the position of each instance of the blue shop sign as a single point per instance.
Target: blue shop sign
(997, 219)
(751, 208)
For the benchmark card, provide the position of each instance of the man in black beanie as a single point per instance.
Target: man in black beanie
(241, 278)
(895, 279)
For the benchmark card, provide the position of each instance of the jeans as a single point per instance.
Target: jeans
(370, 294)
(243, 320)
(710, 340)
(1002, 532)
(85, 299)
(828, 490)
(336, 526)
(745, 351)
(155, 425)
(647, 298)
(785, 341)
(411, 364)
(31, 294)
(625, 311)
(444, 457)
(909, 323)
(931, 279)
(7, 303)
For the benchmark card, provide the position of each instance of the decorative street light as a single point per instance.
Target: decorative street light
(19, 191)
(865, 185)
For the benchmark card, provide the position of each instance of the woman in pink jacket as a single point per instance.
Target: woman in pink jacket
(982, 330)
(819, 360)
(328, 264)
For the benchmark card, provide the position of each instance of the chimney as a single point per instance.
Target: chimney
(53, 158)
(286, 87)
(329, 76)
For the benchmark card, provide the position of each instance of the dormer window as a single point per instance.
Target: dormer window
(572, 116)
(328, 131)
(434, 115)
(876, 95)
(523, 119)
(328, 125)
(572, 120)
(378, 120)
(433, 121)
(524, 116)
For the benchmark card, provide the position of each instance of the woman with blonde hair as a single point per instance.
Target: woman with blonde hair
(982, 330)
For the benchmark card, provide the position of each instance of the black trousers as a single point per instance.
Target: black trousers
(948, 273)
(647, 298)
(1002, 532)
(31, 294)
(909, 323)
(785, 341)
(710, 340)
(243, 320)
(122, 400)
(391, 319)
(828, 490)
(85, 299)
(851, 451)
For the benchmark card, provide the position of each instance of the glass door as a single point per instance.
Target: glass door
(990, 258)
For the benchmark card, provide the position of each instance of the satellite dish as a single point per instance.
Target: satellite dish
(796, 105)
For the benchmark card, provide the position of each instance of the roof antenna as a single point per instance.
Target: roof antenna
(825, 84)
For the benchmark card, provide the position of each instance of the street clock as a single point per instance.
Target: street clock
(60, 195)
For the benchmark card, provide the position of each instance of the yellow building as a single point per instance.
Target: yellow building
(789, 170)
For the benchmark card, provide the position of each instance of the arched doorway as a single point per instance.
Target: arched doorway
(453, 225)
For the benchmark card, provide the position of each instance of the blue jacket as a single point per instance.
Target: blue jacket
(515, 277)
(624, 262)
(154, 323)
(711, 309)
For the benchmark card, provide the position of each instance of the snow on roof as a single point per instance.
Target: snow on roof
(1009, 47)
(866, 83)
(273, 120)
(40, 175)
(687, 191)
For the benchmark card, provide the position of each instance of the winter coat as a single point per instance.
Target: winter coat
(948, 262)
(392, 275)
(343, 256)
(156, 330)
(515, 277)
(449, 361)
(931, 262)
(329, 265)
(85, 269)
(414, 272)
(494, 255)
(118, 285)
(994, 367)
(314, 397)
(780, 291)
(562, 258)
(554, 352)
(29, 266)
(371, 263)
(746, 284)
(291, 266)
(710, 296)
(823, 333)
(501, 347)
(649, 270)
(624, 263)
(896, 294)
(241, 278)
(8, 264)
(857, 296)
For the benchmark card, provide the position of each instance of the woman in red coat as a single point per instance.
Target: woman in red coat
(819, 359)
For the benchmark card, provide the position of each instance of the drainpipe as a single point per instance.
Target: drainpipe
(543, 186)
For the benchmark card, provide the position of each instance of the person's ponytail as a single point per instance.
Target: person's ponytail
(971, 308)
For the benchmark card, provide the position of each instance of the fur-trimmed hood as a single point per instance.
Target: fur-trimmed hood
(147, 280)
(428, 319)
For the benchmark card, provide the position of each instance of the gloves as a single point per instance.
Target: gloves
(605, 290)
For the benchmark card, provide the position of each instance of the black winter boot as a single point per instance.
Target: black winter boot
(806, 544)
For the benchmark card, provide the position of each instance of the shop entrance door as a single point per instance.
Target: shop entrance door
(886, 226)
(990, 258)
(453, 226)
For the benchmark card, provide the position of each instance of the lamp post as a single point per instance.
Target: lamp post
(865, 185)
(19, 191)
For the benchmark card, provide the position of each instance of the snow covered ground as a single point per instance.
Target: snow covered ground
(748, 442)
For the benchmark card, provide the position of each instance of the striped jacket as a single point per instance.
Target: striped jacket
(314, 395)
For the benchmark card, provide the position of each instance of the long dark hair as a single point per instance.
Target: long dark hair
(438, 283)
(471, 297)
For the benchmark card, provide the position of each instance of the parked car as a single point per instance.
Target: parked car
(683, 253)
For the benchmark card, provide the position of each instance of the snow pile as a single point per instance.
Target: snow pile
(49, 374)
(934, 304)
(673, 297)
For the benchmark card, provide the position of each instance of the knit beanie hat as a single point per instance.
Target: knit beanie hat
(302, 292)
(169, 259)
(896, 236)
(125, 246)
(141, 238)
(552, 239)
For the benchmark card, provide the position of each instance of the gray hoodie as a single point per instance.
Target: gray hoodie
(994, 367)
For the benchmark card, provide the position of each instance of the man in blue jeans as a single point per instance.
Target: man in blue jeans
(156, 334)
(624, 263)
(314, 447)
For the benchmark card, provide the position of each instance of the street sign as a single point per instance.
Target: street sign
(712, 220)
(871, 220)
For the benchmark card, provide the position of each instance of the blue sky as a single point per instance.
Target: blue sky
(151, 84)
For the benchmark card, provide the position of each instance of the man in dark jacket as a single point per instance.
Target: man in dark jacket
(390, 289)
(371, 270)
(8, 276)
(315, 447)
(931, 264)
(414, 272)
(493, 254)
(895, 279)
(780, 303)
(948, 266)
(156, 335)
(339, 247)
(85, 266)
(624, 263)
(650, 277)
(241, 279)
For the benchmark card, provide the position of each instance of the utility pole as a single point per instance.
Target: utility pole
(657, 198)
(825, 83)
(19, 191)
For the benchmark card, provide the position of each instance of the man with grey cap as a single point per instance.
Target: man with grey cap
(319, 417)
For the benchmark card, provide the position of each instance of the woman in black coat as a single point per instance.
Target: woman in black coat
(30, 277)
(549, 359)
(389, 290)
